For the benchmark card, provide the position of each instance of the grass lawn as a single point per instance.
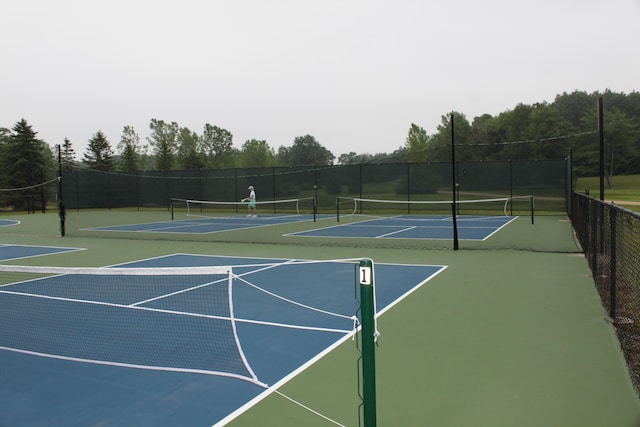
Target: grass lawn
(624, 189)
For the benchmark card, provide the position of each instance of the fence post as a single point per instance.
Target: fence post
(593, 237)
(613, 264)
(77, 192)
(273, 182)
(360, 178)
(409, 187)
(108, 191)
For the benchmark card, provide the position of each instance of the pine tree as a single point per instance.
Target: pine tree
(129, 148)
(68, 155)
(26, 165)
(99, 154)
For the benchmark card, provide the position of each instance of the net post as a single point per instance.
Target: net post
(315, 209)
(61, 208)
(453, 183)
(366, 279)
(171, 208)
(532, 208)
(455, 226)
(337, 209)
(315, 202)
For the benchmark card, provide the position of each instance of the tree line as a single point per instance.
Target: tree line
(170, 146)
(545, 130)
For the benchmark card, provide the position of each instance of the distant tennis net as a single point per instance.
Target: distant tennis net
(501, 206)
(212, 209)
(30, 198)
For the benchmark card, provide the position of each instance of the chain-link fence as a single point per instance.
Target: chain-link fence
(610, 238)
(546, 179)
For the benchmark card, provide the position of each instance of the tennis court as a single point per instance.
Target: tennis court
(511, 332)
(415, 227)
(207, 225)
(9, 252)
(400, 227)
(426, 222)
(118, 338)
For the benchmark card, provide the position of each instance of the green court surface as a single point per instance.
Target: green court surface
(512, 333)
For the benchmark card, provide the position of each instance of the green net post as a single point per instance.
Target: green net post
(368, 343)
(337, 209)
(61, 208)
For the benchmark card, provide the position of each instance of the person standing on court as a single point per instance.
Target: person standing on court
(251, 207)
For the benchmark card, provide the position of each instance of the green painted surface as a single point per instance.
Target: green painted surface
(500, 338)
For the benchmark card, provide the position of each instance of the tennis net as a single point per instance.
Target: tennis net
(208, 208)
(163, 319)
(173, 319)
(501, 206)
(191, 320)
(30, 198)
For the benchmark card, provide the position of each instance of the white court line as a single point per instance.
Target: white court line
(396, 232)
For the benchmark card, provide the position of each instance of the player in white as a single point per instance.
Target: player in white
(251, 207)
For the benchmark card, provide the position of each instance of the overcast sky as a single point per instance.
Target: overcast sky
(353, 73)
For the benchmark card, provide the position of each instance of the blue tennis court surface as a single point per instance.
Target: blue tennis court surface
(415, 227)
(207, 225)
(8, 251)
(184, 350)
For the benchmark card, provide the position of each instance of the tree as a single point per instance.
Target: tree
(99, 154)
(256, 153)
(282, 156)
(27, 162)
(217, 143)
(352, 158)
(488, 135)
(622, 137)
(550, 131)
(621, 150)
(465, 145)
(573, 106)
(5, 139)
(189, 154)
(306, 151)
(129, 148)
(439, 145)
(163, 139)
(417, 144)
(397, 156)
(67, 155)
(535, 131)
